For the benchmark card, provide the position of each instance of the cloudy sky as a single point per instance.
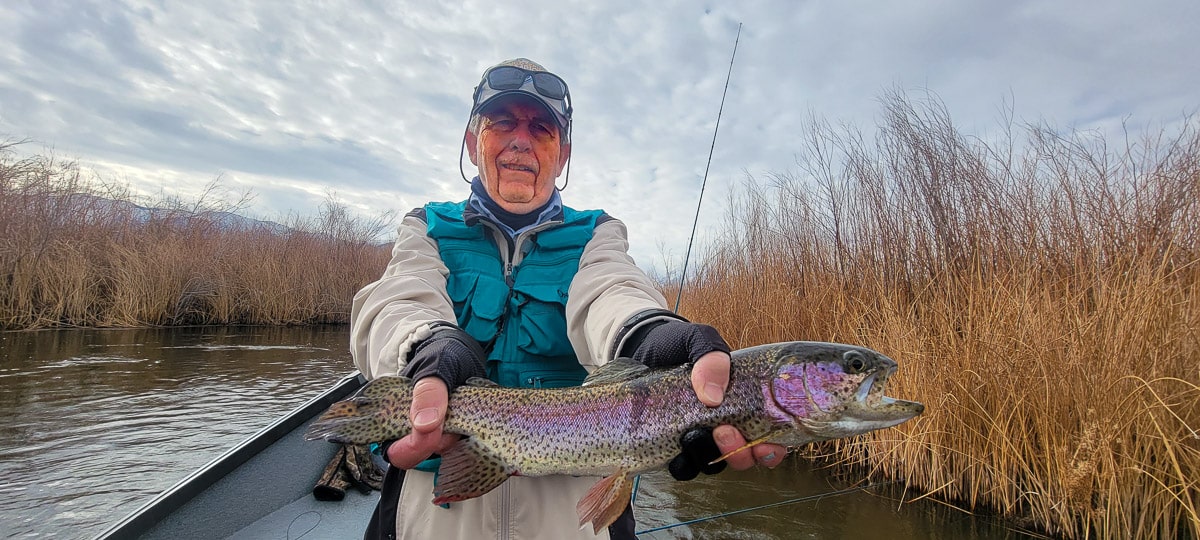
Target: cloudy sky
(369, 99)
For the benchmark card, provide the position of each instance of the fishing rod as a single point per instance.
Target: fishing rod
(679, 297)
(703, 183)
(683, 277)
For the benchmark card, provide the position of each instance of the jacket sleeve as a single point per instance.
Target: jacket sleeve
(390, 316)
(608, 291)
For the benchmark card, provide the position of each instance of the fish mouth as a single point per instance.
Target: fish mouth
(875, 405)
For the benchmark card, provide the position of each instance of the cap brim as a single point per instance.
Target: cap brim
(518, 93)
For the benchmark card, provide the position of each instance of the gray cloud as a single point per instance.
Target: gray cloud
(369, 99)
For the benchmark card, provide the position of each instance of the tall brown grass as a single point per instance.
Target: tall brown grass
(77, 251)
(1040, 290)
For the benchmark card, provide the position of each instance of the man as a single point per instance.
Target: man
(514, 286)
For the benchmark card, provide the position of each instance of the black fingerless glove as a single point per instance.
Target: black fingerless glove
(671, 343)
(450, 354)
(699, 449)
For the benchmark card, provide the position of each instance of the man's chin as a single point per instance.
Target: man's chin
(516, 194)
(518, 198)
(519, 203)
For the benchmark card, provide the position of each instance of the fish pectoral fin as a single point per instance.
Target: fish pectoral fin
(750, 444)
(606, 500)
(468, 470)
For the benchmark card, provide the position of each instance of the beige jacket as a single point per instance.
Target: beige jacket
(393, 314)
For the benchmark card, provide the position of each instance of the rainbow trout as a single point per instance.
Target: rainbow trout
(627, 418)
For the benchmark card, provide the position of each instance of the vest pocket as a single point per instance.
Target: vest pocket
(543, 328)
(553, 378)
(478, 303)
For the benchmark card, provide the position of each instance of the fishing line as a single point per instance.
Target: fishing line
(310, 528)
(816, 497)
(683, 277)
(692, 238)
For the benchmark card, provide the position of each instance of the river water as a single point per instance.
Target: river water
(96, 422)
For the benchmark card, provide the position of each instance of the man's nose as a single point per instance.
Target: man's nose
(522, 139)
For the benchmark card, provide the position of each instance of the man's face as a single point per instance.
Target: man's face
(518, 154)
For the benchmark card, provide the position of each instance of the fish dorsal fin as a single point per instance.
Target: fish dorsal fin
(617, 370)
(482, 382)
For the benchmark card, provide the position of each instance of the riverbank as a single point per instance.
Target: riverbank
(76, 251)
(1041, 294)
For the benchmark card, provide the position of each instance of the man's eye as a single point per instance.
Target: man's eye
(503, 125)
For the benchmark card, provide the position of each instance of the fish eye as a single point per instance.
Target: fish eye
(855, 363)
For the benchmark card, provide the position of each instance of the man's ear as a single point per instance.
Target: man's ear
(472, 146)
(563, 155)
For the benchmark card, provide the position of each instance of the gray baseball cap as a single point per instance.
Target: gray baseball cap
(522, 76)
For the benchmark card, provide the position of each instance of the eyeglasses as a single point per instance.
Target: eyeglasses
(549, 88)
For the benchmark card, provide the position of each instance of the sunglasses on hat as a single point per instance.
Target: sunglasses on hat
(547, 87)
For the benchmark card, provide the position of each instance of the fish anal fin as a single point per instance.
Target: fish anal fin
(603, 504)
(468, 470)
(750, 444)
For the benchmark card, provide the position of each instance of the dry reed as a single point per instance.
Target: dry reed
(1041, 293)
(75, 251)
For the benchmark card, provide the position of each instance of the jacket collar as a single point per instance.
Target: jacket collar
(480, 207)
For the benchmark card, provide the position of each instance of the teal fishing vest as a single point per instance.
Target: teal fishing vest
(517, 313)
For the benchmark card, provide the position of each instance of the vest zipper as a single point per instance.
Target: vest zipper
(506, 253)
(505, 513)
(512, 257)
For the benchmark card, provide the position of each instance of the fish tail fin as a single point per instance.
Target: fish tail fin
(468, 470)
(603, 504)
(378, 412)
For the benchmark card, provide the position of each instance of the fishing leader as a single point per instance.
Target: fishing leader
(512, 285)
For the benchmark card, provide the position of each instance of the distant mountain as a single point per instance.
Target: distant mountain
(96, 207)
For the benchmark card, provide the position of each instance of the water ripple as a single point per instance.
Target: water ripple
(89, 436)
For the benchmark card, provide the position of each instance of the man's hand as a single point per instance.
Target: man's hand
(677, 342)
(710, 378)
(429, 403)
(439, 364)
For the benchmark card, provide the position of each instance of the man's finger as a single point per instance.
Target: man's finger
(428, 405)
(769, 455)
(427, 413)
(728, 439)
(407, 452)
(710, 377)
